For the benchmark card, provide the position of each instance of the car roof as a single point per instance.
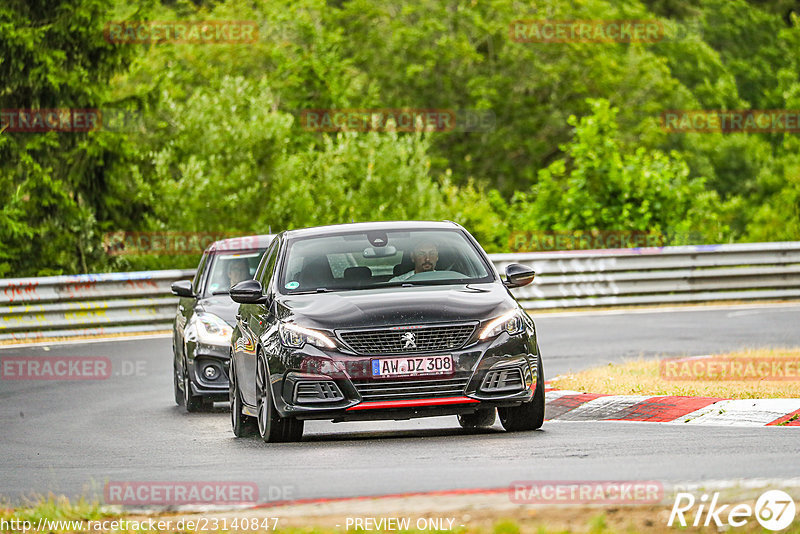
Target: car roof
(384, 226)
(248, 242)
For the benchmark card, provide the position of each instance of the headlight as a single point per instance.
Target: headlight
(296, 336)
(510, 322)
(212, 330)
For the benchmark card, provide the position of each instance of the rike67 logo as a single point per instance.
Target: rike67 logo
(774, 510)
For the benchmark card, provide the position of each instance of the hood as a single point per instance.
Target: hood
(396, 306)
(220, 305)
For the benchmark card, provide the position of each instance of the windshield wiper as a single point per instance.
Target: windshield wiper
(222, 292)
(309, 291)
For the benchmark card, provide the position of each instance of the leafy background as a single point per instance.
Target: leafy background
(215, 144)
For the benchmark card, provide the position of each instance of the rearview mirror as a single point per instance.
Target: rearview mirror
(518, 275)
(182, 288)
(382, 252)
(248, 292)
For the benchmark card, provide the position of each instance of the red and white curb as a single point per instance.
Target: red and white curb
(565, 405)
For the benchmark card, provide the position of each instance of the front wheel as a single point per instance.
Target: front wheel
(193, 403)
(530, 415)
(271, 426)
(242, 425)
(479, 419)
(176, 381)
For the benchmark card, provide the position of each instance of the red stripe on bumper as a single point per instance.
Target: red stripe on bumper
(444, 401)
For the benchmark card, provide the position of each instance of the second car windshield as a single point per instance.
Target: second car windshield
(229, 269)
(374, 259)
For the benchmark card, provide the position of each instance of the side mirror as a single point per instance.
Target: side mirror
(248, 292)
(518, 275)
(183, 288)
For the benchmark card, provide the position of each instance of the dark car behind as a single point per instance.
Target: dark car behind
(205, 317)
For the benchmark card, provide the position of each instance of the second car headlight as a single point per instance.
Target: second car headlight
(296, 336)
(212, 330)
(511, 323)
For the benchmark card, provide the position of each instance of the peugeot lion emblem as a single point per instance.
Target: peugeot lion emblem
(410, 339)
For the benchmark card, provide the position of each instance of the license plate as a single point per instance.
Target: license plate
(412, 366)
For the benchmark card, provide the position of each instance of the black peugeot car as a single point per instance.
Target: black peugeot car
(205, 317)
(389, 320)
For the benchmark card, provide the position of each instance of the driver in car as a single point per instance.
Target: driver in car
(238, 270)
(425, 255)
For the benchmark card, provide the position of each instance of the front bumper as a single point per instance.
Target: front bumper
(331, 385)
(214, 356)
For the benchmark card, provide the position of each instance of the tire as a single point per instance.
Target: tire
(176, 381)
(242, 425)
(271, 426)
(530, 415)
(294, 430)
(480, 419)
(193, 403)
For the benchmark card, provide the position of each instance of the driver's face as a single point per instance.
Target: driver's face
(237, 274)
(425, 257)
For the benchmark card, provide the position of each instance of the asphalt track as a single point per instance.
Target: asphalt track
(72, 437)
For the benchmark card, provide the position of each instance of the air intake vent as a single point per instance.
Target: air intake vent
(411, 389)
(316, 392)
(503, 381)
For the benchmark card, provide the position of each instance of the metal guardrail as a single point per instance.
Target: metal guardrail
(64, 306)
(664, 275)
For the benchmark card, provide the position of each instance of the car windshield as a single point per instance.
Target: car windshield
(367, 260)
(230, 269)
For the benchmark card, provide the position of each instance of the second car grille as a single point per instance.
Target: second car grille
(403, 340)
(410, 389)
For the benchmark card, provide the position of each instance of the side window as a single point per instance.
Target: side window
(198, 276)
(271, 256)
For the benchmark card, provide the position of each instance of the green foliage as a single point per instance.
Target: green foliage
(228, 155)
(506, 526)
(53, 185)
(601, 187)
(577, 143)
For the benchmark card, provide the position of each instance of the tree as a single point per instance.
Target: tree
(599, 186)
(53, 185)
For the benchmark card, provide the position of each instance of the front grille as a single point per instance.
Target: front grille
(411, 389)
(313, 392)
(407, 340)
(503, 380)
